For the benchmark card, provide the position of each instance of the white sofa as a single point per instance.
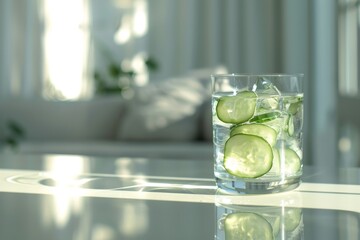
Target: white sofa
(165, 119)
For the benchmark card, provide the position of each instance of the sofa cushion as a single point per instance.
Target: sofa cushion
(168, 110)
(68, 121)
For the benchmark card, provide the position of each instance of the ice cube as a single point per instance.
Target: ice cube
(268, 95)
(265, 86)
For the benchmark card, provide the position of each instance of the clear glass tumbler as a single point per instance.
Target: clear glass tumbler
(257, 132)
(249, 222)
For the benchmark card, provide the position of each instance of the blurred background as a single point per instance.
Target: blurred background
(75, 52)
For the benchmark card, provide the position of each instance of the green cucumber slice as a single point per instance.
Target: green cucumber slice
(247, 156)
(275, 222)
(238, 108)
(247, 225)
(265, 117)
(275, 169)
(261, 130)
(292, 162)
(294, 107)
(292, 218)
(290, 124)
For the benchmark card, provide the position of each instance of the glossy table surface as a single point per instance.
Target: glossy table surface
(80, 197)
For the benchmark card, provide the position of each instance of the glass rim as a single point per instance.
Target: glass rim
(281, 75)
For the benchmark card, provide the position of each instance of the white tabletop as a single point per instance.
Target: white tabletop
(79, 197)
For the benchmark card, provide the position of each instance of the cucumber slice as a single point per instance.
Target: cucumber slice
(236, 109)
(247, 156)
(275, 169)
(276, 225)
(261, 130)
(294, 107)
(292, 218)
(246, 225)
(265, 117)
(292, 162)
(290, 125)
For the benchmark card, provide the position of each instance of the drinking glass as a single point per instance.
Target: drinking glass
(249, 222)
(257, 132)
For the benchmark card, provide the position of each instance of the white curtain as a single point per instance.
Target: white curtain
(43, 48)
(20, 49)
(244, 36)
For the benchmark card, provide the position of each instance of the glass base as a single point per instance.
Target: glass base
(263, 187)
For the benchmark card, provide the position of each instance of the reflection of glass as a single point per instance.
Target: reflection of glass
(251, 222)
(257, 125)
